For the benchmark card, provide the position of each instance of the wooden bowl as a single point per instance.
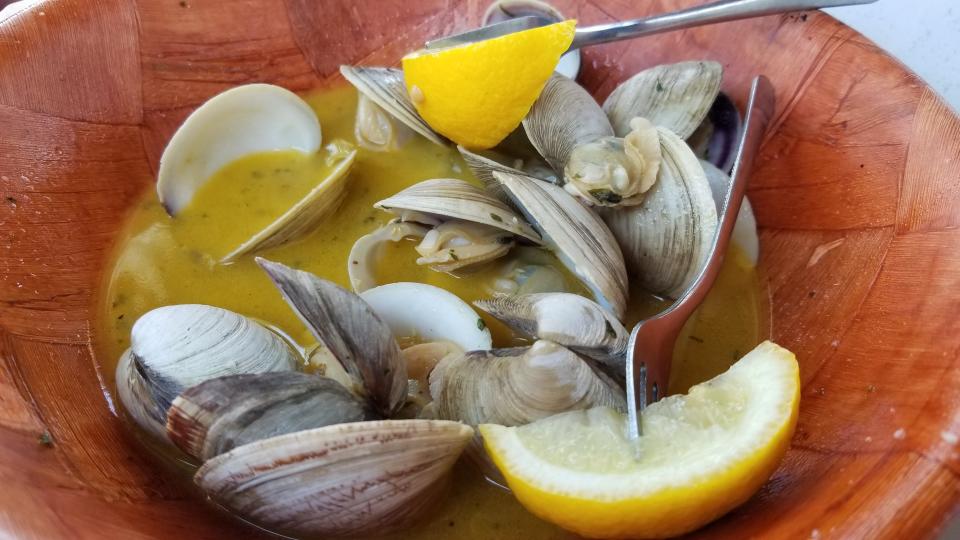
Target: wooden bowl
(857, 194)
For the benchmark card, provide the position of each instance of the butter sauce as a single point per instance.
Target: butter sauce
(159, 260)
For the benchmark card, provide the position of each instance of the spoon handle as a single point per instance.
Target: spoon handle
(714, 12)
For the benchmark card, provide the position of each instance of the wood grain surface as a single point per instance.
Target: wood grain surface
(857, 193)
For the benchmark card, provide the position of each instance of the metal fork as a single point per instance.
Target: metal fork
(715, 12)
(650, 350)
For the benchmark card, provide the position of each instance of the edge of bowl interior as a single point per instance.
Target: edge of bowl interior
(856, 192)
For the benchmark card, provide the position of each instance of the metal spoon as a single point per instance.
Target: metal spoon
(650, 350)
(715, 12)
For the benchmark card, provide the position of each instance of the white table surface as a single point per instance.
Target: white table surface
(923, 34)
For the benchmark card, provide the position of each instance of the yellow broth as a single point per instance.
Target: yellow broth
(161, 260)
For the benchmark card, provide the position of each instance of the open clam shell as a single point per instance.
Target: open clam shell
(308, 212)
(218, 415)
(385, 87)
(564, 117)
(361, 478)
(242, 121)
(667, 237)
(362, 343)
(175, 347)
(580, 239)
(675, 96)
(445, 198)
(517, 386)
(367, 249)
(428, 313)
(567, 319)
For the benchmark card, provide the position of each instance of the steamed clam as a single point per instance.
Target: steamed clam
(220, 414)
(576, 235)
(175, 347)
(674, 96)
(566, 319)
(666, 238)
(359, 478)
(468, 226)
(574, 136)
(519, 385)
(242, 121)
(387, 112)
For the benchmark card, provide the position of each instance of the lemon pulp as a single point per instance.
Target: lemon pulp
(476, 94)
(700, 454)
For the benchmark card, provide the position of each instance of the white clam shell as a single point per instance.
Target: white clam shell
(675, 96)
(580, 239)
(430, 313)
(665, 239)
(571, 320)
(361, 478)
(175, 347)
(241, 121)
(367, 249)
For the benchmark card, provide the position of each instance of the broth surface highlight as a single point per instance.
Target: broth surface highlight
(160, 260)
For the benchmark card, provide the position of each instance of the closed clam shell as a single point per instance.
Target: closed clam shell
(675, 96)
(580, 239)
(175, 347)
(571, 320)
(385, 87)
(350, 329)
(447, 198)
(517, 386)
(136, 399)
(360, 478)
(665, 239)
(218, 415)
(242, 121)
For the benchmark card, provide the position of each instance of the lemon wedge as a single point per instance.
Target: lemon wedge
(701, 454)
(476, 94)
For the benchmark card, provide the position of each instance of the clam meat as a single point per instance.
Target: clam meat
(468, 226)
(220, 414)
(574, 136)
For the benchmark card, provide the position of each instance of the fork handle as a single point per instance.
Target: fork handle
(714, 12)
